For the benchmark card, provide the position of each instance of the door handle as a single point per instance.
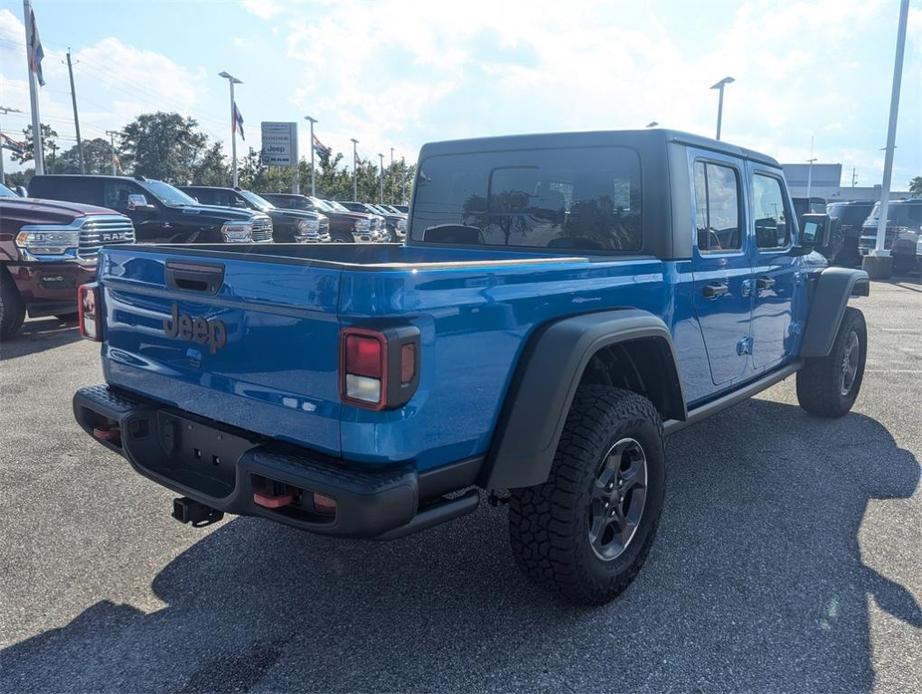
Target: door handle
(765, 282)
(712, 291)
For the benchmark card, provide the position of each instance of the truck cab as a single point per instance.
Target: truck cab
(563, 302)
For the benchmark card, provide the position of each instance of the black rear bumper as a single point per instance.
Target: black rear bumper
(224, 468)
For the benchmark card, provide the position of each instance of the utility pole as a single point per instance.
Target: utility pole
(854, 177)
(38, 155)
(403, 167)
(112, 134)
(810, 171)
(381, 179)
(54, 154)
(313, 173)
(73, 99)
(720, 102)
(232, 81)
(4, 110)
(355, 160)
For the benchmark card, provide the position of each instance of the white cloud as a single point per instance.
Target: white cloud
(264, 9)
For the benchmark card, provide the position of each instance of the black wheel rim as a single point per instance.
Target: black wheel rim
(619, 494)
(850, 363)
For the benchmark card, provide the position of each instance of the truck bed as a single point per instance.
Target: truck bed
(282, 308)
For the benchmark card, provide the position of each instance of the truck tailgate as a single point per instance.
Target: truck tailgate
(248, 342)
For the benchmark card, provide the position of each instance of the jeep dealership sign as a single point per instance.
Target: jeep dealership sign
(280, 143)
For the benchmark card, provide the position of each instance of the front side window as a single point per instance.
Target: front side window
(773, 230)
(167, 194)
(717, 207)
(115, 194)
(578, 198)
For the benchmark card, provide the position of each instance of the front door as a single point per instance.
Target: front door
(773, 270)
(721, 264)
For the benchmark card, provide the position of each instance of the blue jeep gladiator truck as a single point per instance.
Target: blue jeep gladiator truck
(562, 303)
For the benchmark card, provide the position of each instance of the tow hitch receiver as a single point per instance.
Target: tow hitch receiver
(187, 510)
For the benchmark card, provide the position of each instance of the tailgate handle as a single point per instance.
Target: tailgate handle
(194, 277)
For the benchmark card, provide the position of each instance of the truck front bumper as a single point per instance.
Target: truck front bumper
(236, 472)
(50, 288)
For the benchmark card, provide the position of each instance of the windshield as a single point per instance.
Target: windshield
(587, 198)
(321, 205)
(849, 214)
(167, 194)
(6, 192)
(335, 206)
(256, 201)
(899, 214)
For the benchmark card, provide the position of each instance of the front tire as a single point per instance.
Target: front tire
(586, 531)
(12, 308)
(828, 386)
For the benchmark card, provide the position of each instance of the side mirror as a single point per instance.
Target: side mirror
(814, 232)
(136, 201)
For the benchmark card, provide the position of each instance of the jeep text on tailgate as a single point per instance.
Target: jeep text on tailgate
(562, 303)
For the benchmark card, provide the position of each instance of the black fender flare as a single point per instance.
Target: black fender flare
(829, 298)
(545, 382)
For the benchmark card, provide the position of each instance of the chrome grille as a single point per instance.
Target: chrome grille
(262, 229)
(103, 230)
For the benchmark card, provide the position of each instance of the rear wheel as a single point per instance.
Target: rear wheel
(586, 532)
(828, 386)
(12, 308)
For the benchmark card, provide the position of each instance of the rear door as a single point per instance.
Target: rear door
(721, 264)
(774, 276)
(244, 341)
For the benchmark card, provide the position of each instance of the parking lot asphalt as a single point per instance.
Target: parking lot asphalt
(789, 558)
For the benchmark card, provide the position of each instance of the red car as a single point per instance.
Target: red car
(47, 249)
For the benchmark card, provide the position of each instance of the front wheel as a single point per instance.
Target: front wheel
(586, 532)
(828, 386)
(12, 308)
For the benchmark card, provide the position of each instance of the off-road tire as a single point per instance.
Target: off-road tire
(12, 308)
(820, 380)
(549, 523)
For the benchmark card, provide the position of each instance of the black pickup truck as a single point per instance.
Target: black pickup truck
(288, 226)
(160, 212)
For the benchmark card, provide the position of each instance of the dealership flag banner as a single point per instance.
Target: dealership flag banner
(37, 53)
(321, 148)
(238, 122)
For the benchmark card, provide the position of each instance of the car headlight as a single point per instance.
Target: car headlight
(309, 226)
(401, 225)
(237, 232)
(48, 242)
(363, 225)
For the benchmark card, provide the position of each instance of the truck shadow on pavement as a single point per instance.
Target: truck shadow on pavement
(756, 582)
(39, 335)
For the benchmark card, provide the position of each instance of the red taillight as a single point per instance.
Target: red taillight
(379, 368)
(364, 355)
(89, 311)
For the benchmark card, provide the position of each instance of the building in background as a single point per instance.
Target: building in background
(826, 182)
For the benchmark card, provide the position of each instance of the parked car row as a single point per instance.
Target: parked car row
(854, 230)
(49, 240)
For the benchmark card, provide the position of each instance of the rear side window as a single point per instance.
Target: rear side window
(577, 198)
(773, 229)
(85, 190)
(717, 207)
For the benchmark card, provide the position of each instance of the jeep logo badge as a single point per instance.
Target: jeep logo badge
(212, 332)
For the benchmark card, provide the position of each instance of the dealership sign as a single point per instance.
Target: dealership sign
(280, 143)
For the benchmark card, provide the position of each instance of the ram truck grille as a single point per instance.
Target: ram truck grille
(99, 231)
(262, 229)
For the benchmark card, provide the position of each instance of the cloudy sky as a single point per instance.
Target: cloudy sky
(397, 74)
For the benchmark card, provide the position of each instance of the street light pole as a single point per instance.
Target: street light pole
(720, 101)
(381, 179)
(355, 159)
(891, 128)
(112, 134)
(810, 171)
(38, 155)
(231, 80)
(313, 183)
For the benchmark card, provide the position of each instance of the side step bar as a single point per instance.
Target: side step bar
(671, 426)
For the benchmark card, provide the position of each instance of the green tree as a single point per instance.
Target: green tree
(915, 187)
(49, 142)
(167, 146)
(212, 168)
(97, 158)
